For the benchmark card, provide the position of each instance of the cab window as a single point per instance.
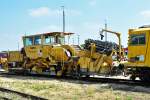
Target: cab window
(61, 40)
(37, 40)
(28, 41)
(137, 39)
(49, 39)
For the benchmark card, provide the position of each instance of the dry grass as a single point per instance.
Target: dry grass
(71, 90)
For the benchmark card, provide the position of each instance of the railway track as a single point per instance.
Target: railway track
(88, 79)
(120, 81)
(28, 96)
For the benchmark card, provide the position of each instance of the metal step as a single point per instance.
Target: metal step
(76, 47)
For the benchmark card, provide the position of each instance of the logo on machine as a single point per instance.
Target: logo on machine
(40, 53)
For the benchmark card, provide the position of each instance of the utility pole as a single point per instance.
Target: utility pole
(63, 8)
(105, 29)
(105, 33)
(63, 23)
(78, 39)
(18, 46)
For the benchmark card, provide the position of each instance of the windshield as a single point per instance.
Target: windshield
(37, 40)
(28, 41)
(53, 40)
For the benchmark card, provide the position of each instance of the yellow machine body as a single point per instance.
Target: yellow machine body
(139, 48)
(42, 52)
(3, 58)
(33, 52)
(15, 56)
(46, 50)
(94, 62)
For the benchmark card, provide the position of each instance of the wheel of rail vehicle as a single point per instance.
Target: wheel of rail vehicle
(64, 73)
(145, 75)
(87, 76)
(58, 70)
(76, 73)
(132, 77)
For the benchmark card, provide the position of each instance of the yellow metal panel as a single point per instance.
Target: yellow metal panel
(59, 54)
(34, 52)
(144, 50)
(15, 56)
(92, 68)
(84, 62)
(148, 50)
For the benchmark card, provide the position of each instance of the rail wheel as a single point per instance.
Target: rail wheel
(145, 75)
(87, 76)
(78, 72)
(132, 77)
(59, 73)
(75, 73)
(58, 70)
(37, 69)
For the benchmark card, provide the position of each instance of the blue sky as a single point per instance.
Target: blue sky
(83, 17)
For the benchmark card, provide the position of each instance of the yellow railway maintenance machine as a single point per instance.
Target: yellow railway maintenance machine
(44, 53)
(139, 53)
(92, 62)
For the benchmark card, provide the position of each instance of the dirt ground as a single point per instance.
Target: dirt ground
(54, 89)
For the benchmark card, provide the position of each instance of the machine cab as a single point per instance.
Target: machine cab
(138, 46)
(40, 45)
(45, 39)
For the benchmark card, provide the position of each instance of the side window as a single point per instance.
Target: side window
(61, 40)
(37, 40)
(52, 39)
(49, 40)
(142, 39)
(28, 41)
(137, 39)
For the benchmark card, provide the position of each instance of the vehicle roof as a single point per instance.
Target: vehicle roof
(139, 30)
(50, 34)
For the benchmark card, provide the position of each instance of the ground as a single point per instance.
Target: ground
(55, 89)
